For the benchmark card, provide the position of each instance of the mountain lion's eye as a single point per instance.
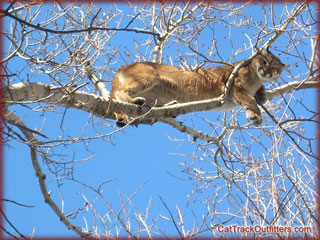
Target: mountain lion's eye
(263, 62)
(275, 70)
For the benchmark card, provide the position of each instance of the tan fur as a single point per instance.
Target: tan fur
(157, 84)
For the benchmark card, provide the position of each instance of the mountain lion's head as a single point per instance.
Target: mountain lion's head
(268, 66)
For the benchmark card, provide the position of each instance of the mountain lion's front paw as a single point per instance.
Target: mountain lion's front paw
(254, 118)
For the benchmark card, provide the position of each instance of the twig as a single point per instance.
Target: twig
(98, 191)
(9, 233)
(183, 128)
(95, 16)
(9, 222)
(172, 218)
(131, 21)
(232, 181)
(312, 214)
(19, 204)
(287, 133)
(10, 5)
(17, 124)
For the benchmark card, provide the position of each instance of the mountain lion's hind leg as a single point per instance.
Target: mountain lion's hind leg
(122, 95)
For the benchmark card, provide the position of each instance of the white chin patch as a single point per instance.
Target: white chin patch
(268, 75)
(266, 79)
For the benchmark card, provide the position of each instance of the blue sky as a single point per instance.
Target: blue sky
(150, 156)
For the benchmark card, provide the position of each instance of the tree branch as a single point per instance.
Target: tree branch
(284, 25)
(29, 92)
(41, 176)
(292, 86)
(183, 128)
(98, 83)
(88, 29)
(62, 96)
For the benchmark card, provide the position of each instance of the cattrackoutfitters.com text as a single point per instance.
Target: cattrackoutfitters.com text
(262, 229)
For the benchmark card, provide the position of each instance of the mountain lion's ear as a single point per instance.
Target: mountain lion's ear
(285, 67)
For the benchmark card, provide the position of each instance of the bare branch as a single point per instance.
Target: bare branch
(284, 25)
(42, 177)
(88, 29)
(194, 133)
(293, 86)
(60, 96)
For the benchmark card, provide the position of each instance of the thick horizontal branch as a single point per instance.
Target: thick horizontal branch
(63, 96)
(292, 86)
(28, 92)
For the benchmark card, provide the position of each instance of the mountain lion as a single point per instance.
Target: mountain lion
(158, 85)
